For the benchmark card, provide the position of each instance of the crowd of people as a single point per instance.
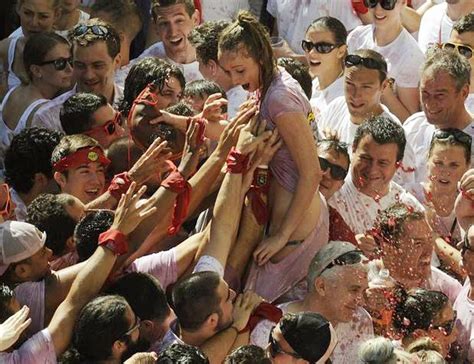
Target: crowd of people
(240, 181)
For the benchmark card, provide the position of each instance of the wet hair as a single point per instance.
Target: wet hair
(48, 213)
(332, 25)
(299, 72)
(335, 145)
(388, 226)
(417, 309)
(444, 60)
(181, 109)
(6, 296)
(452, 137)
(248, 33)
(76, 112)
(37, 48)
(123, 153)
(111, 38)
(145, 71)
(71, 144)
(465, 24)
(157, 4)
(123, 15)
(377, 57)
(195, 298)
(182, 354)
(144, 294)
(88, 229)
(30, 153)
(378, 350)
(248, 354)
(203, 89)
(100, 323)
(383, 130)
(205, 39)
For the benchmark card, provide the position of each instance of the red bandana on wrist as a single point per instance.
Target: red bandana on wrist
(82, 156)
(237, 162)
(176, 183)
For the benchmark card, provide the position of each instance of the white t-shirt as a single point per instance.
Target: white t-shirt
(359, 211)
(469, 103)
(465, 322)
(47, 115)
(38, 349)
(350, 335)
(294, 17)
(435, 27)
(419, 133)
(320, 99)
(213, 10)
(403, 56)
(236, 96)
(337, 117)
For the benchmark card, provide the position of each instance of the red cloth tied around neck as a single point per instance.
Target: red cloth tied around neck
(264, 311)
(80, 157)
(176, 183)
(119, 185)
(237, 162)
(255, 194)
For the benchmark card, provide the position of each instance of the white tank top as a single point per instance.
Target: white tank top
(13, 79)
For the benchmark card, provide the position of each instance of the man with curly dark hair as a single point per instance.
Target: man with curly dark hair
(28, 168)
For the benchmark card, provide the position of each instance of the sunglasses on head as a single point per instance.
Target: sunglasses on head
(352, 60)
(320, 47)
(385, 4)
(95, 29)
(349, 258)
(6, 209)
(337, 172)
(453, 134)
(462, 49)
(276, 349)
(59, 63)
(109, 127)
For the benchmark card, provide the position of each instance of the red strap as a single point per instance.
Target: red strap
(359, 7)
(237, 162)
(257, 190)
(264, 311)
(114, 240)
(176, 183)
(400, 165)
(119, 185)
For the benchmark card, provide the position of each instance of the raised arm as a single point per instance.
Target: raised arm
(464, 205)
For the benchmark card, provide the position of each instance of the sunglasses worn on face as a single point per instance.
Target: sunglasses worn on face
(133, 328)
(337, 172)
(349, 258)
(320, 47)
(385, 4)
(95, 29)
(276, 349)
(109, 127)
(59, 64)
(462, 49)
(352, 60)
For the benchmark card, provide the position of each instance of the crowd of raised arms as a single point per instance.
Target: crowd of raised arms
(237, 181)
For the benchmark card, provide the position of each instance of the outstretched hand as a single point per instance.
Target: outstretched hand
(191, 150)
(212, 110)
(130, 211)
(11, 329)
(252, 135)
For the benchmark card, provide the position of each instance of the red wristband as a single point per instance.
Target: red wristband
(176, 183)
(237, 162)
(119, 185)
(201, 128)
(114, 240)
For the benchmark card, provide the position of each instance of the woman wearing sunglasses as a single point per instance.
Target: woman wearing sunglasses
(423, 313)
(48, 62)
(404, 57)
(325, 48)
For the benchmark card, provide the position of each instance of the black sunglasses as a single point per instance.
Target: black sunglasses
(448, 326)
(337, 172)
(59, 64)
(95, 29)
(352, 60)
(320, 47)
(276, 349)
(385, 4)
(454, 135)
(462, 49)
(349, 258)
